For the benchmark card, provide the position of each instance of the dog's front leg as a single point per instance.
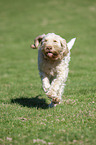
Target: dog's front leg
(54, 89)
(45, 82)
(57, 86)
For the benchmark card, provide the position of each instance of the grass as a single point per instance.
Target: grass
(24, 114)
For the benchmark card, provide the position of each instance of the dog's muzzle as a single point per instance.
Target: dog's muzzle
(49, 53)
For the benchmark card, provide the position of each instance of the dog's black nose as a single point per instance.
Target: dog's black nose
(48, 48)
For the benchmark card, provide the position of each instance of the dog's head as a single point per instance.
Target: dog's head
(52, 46)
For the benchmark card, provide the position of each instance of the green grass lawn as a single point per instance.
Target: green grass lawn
(25, 118)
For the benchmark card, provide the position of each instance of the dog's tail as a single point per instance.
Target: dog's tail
(71, 43)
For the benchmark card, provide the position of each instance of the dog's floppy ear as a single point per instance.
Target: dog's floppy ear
(37, 40)
(71, 43)
(64, 46)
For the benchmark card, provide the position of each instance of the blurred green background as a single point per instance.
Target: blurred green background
(20, 22)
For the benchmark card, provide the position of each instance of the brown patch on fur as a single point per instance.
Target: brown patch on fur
(55, 100)
(65, 48)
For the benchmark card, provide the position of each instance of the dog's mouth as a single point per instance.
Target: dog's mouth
(51, 55)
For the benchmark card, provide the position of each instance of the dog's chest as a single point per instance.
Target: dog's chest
(47, 67)
(51, 68)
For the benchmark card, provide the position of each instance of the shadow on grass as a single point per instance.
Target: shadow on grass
(36, 102)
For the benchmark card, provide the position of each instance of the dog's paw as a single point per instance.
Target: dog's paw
(56, 100)
(51, 94)
(52, 105)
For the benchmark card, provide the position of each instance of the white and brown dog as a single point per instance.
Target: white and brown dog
(53, 61)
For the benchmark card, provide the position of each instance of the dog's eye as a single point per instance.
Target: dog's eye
(54, 40)
(61, 45)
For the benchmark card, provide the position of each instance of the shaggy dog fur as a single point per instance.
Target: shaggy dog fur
(53, 62)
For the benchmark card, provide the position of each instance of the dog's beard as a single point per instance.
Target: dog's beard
(51, 55)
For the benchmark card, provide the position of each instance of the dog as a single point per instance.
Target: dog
(53, 64)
